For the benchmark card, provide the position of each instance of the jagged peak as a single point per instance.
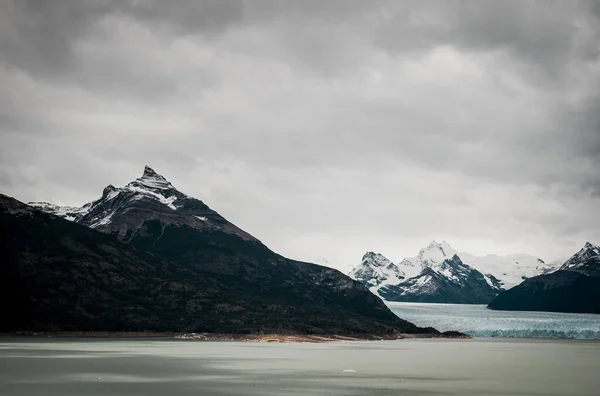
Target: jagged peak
(588, 248)
(109, 189)
(376, 259)
(588, 251)
(436, 251)
(454, 259)
(439, 245)
(152, 179)
(589, 245)
(151, 173)
(369, 254)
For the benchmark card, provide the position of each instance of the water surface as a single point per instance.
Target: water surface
(478, 321)
(403, 367)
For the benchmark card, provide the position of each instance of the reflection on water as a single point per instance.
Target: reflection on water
(478, 321)
(406, 367)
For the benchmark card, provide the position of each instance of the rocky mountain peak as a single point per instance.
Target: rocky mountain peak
(375, 270)
(589, 250)
(586, 260)
(435, 253)
(454, 259)
(108, 190)
(591, 246)
(150, 173)
(439, 245)
(151, 197)
(375, 259)
(151, 179)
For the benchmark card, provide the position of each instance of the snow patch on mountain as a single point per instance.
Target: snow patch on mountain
(450, 281)
(430, 256)
(443, 262)
(510, 270)
(500, 271)
(376, 271)
(150, 186)
(586, 261)
(67, 212)
(144, 192)
(576, 261)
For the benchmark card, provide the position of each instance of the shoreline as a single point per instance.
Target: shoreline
(262, 338)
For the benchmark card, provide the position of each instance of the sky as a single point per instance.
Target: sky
(325, 129)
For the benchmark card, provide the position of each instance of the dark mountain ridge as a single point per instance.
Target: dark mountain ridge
(147, 257)
(574, 287)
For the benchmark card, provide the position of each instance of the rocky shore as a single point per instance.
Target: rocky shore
(280, 338)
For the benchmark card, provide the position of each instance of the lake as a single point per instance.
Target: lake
(404, 367)
(478, 321)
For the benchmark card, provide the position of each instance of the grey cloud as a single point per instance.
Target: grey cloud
(37, 35)
(543, 35)
(325, 128)
(41, 37)
(187, 15)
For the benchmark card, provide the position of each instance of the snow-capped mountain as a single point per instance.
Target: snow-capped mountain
(499, 272)
(151, 193)
(375, 271)
(585, 261)
(450, 281)
(509, 270)
(66, 212)
(436, 274)
(574, 287)
(431, 256)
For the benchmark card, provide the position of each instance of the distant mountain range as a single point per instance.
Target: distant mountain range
(574, 287)
(441, 274)
(149, 257)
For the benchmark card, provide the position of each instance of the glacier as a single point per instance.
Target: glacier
(478, 321)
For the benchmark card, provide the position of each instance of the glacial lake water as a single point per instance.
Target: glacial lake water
(31, 367)
(478, 321)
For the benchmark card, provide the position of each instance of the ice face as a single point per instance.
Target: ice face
(478, 321)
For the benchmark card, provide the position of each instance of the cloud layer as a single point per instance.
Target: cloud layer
(323, 128)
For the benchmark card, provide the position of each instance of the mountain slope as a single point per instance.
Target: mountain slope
(450, 281)
(586, 261)
(407, 280)
(159, 260)
(436, 274)
(430, 256)
(575, 287)
(509, 270)
(123, 210)
(436, 252)
(375, 270)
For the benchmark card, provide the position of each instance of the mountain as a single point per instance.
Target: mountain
(586, 261)
(430, 256)
(148, 257)
(375, 270)
(406, 280)
(574, 287)
(501, 272)
(509, 270)
(450, 281)
(124, 210)
(436, 274)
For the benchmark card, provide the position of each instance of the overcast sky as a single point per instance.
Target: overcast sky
(323, 128)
